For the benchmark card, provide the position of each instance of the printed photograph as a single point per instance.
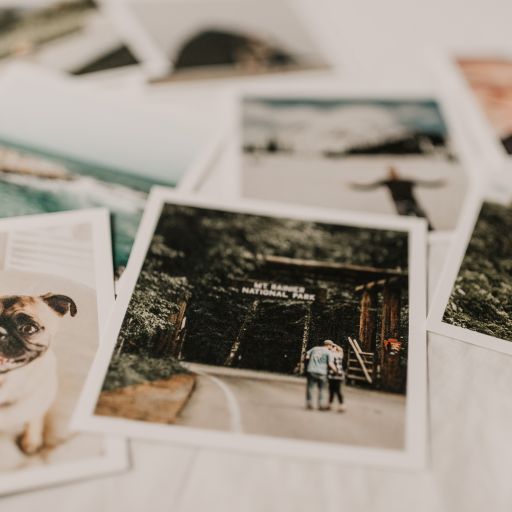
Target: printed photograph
(392, 156)
(490, 81)
(48, 338)
(70, 35)
(268, 326)
(92, 156)
(480, 298)
(225, 38)
(33, 181)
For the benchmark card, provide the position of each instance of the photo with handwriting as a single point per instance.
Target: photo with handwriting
(49, 334)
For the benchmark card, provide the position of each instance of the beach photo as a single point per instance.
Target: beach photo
(55, 288)
(32, 182)
(266, 330)
(69, 35)
(93, 156)
(376, 154)
(191, 40)
(472, 302)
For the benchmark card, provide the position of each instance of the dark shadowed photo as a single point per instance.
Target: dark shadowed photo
(270, 326)
(481, 300)
(392, 156)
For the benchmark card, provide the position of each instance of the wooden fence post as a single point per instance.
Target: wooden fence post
(390, 374)
(367, 320)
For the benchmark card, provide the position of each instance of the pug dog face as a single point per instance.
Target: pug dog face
(27, 326)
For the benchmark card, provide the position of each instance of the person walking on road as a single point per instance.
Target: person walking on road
(336, 378)
(319, 361)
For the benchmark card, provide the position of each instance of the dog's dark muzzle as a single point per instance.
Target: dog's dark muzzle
(15, 351)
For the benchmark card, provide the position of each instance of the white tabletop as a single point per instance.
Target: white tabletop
(470, 388)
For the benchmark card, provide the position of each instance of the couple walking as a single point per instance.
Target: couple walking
(324, 368)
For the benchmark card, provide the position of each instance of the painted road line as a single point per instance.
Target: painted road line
(235, 415)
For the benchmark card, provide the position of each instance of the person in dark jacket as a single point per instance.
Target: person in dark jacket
(402, 193)
(336, 377)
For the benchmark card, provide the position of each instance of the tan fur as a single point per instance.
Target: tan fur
(27, 392)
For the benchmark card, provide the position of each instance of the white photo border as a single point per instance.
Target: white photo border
(115, 457)
(414, 454)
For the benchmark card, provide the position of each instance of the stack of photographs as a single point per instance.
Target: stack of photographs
(287, 317)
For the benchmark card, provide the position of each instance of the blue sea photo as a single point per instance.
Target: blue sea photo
(34, 181)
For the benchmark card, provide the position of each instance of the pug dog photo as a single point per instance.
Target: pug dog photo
(28, 365)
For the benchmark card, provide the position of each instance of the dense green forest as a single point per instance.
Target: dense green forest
(481, 298)
(198, 256)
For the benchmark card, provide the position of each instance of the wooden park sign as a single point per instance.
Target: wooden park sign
(279, 291)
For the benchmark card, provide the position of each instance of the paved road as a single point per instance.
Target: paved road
(225, 400)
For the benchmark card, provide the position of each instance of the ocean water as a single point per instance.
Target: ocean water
(92, 186)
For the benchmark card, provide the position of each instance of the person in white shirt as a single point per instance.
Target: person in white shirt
(319, 361)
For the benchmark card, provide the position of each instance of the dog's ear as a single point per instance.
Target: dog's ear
(8, 301)
(61, 304)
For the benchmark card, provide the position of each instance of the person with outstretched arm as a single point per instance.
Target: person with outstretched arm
(402, 192)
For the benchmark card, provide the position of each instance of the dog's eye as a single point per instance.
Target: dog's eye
(28, 329)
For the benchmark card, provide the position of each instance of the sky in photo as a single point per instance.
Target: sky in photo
(336, 123)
